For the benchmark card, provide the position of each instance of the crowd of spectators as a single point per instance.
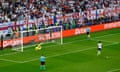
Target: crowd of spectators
(11, 10)
(17, 10)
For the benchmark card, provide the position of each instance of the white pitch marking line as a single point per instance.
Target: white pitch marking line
(9, 54)
(114, 70)
(8, 60)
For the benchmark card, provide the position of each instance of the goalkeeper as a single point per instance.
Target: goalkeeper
(38, 47)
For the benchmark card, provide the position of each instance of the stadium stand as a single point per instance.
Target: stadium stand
(10, 10)
(74, 13)
(26, 15)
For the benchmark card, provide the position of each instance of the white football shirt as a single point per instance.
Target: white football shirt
(99, 45)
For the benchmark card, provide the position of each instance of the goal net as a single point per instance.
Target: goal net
(27, 39)
(11, 40)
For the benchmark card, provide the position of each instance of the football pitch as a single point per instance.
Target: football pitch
(77, 54)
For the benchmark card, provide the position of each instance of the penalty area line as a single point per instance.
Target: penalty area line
(8, 60)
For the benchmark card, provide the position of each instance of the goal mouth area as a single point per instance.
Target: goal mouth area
(50, 35)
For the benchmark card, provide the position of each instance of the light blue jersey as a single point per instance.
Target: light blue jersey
(88, 29)
(42, 59)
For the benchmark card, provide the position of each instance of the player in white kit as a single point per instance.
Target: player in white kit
(99, 48)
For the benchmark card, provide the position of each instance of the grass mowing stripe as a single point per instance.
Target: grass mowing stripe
(63, 43)
(114, 70)
(105, 41)
(109, 35)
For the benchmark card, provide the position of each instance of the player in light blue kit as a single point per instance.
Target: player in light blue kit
(88, 32)
(42, 63)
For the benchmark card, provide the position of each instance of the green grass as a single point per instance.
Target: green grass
(77, 54)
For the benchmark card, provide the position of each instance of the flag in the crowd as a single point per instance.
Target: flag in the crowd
(15, 26)
(34, 26)
(24, 27)
(43, 24)
(9, 30)
(96, 12)
(54, 19)
(116, 1)
(21, 28)
(18, 28)
(73, 24)
(27, 24)
(36, 23)
(31, 1)
(30, 27)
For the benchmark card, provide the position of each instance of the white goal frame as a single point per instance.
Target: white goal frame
(51, 27)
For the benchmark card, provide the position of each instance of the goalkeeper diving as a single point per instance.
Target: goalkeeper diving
(38, 47)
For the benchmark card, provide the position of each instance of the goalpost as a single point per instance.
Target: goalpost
(52, 35)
